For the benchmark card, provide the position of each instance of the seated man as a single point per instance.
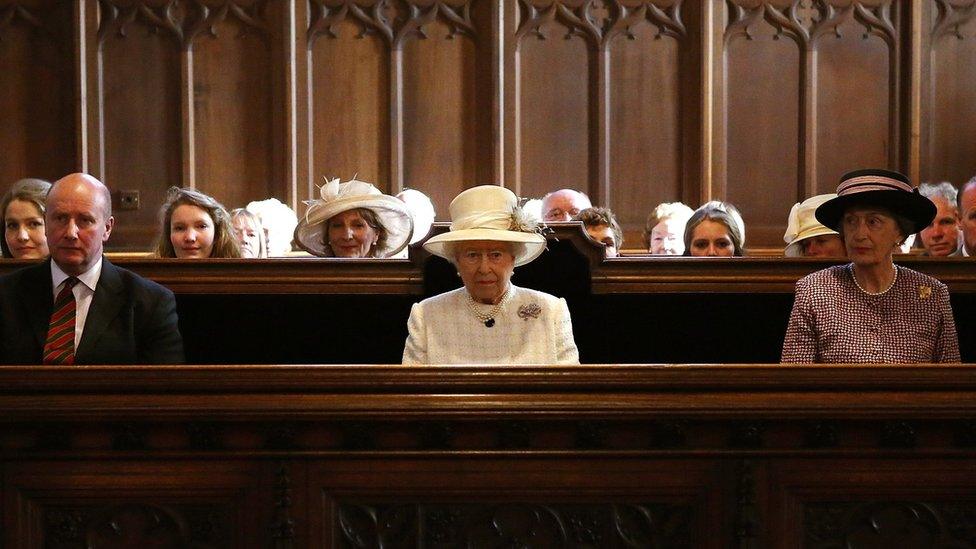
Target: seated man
(967, 218)
(564, 205)
(941, 237)
(602, 226)
(78, 308)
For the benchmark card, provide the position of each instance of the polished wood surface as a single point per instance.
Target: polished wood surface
(761, 103)
(617, 455)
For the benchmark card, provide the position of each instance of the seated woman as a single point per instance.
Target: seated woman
(354, 220)
(665, 228)
(249, 233)
(807, 237)
(22, 211)
(870, 310)
(715, 230)
(194, 226)
(278, 221)
(489, 320)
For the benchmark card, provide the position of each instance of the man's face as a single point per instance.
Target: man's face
(941, 237)
(967, 218)
(76, 223)
(564, 205)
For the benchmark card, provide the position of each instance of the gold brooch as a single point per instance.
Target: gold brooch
(529, 310)
(924, 292)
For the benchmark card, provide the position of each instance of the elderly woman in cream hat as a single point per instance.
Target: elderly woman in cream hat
(807, 237)
(354, 220)
(871, 310)
(489, 320)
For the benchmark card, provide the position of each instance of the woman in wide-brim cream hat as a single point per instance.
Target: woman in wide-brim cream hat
(354, 220)
(489, 320)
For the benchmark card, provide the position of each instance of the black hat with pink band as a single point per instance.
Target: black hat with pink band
(877, 188)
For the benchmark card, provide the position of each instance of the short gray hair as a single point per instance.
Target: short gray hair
(944, 189)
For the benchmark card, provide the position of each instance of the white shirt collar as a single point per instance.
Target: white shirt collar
(89, 278)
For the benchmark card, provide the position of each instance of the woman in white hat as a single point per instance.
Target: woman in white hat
(489, 320)
(871, 310)
(354, 220)
(807, 237)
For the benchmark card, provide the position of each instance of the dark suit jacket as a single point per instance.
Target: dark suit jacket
(131, 320)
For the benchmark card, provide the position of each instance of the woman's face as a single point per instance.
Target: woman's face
(824, 245)
(870, 235)
(191, 231)
(711, 239)
(485, 267)
(248, 235)
(24, 230)
(350, 236)
(667, 237)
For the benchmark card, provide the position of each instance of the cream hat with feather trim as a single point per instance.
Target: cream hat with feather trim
(489, 212)
(339, 197)
(803, 224)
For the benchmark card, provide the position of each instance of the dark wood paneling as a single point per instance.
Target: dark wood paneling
(234, 73)
(38, 103)
(949, 91)
(140, 56)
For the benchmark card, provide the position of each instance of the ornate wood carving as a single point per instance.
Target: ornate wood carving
(136, 524)
(16, 13)
(746, 435)
(888, 524)
(821, 434)
(516, 524)
(185, 20)
(949, 17)
(806, 21)
(394, 20)
(283, 526)
(898, 434)
(599, 22)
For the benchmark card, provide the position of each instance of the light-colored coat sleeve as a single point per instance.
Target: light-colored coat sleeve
(800, 343)
(566, 351)
(415, 349)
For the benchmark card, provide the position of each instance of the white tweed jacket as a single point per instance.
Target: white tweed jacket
(531, 328)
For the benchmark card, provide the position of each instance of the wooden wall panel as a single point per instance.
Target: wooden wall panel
(140, 66)
(235, 145)
(553, 147)
(646, 127)
(948, 150)
(763, 147)
(37, 105)
(855, 115)
(440, 106)
(349, 100)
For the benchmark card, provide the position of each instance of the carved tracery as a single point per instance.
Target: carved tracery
(394, 21)
(806, 21)
(185, 20)
(599, 22)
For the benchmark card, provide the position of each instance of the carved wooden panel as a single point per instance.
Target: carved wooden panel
(948, 91)
(537, 525)
(236, 81)
(533, 501)
(554, 144)
(114, 504)
(38, 135)
(139, 71)
(887, 503)
(835, 105)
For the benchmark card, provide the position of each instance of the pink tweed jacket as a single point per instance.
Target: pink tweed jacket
(834, 321)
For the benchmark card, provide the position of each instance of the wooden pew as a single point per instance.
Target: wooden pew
(625, 310)
(601, 456)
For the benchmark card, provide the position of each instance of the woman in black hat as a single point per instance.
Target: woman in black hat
(870, 310)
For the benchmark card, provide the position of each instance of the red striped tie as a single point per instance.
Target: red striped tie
(60, 346)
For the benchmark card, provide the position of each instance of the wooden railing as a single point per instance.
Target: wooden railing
(600, 455)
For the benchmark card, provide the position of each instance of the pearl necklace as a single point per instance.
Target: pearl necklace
(488, 319)
(882, 292)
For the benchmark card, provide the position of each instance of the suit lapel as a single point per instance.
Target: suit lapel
(38, 299)
(104, 307)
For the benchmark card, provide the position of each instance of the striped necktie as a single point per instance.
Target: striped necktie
(60, 345)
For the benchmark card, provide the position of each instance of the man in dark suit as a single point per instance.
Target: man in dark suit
(77, 307)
